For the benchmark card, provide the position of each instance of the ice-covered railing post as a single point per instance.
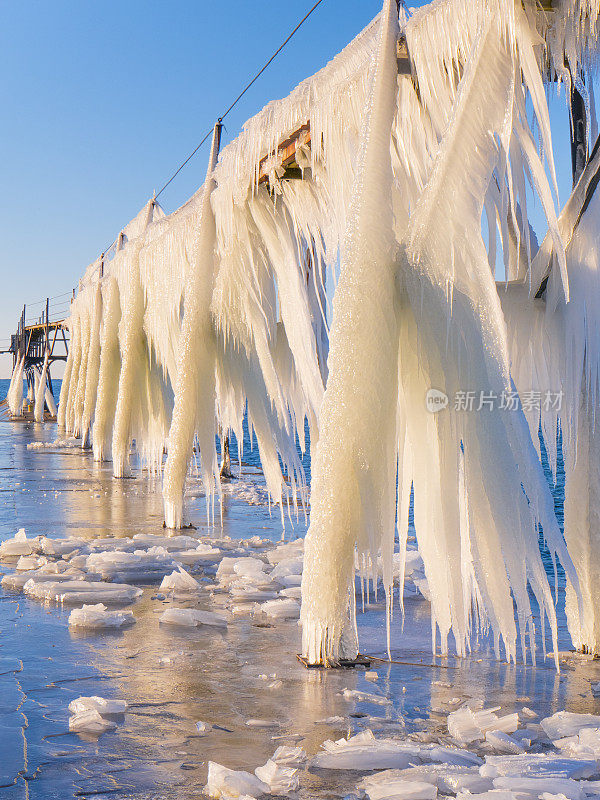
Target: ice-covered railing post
(555, 352)
(109, 368)
(195, 389)
(350, 468)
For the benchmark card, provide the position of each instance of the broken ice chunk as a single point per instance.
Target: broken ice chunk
(203, 555)
(281, 779)
(102, 705)
(179, 582)
(30, 562)
(262, 723)
(98, 616)
(295, 592)
(59, 547)
(503, 743)
(281, 609)
(537, 765)
(17, 580)
(20, 545)
(91, 722)
(585, 745)
(468, 726)
(365, 697)
(398, 788)
(203, 727)
(81, 591)
(364, 752)
(288, 566)
(289, 550)
(447, 778)
(528, 713)
(248, 566)
(289, 756)
(192, 618)
(534, 787)
(230, 784)
(566, 723)
(139, 566)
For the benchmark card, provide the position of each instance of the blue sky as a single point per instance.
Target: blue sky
(102, 101)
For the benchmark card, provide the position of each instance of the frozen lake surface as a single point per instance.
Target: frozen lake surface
(243, 680)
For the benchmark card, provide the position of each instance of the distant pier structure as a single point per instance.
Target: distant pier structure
(41, 334)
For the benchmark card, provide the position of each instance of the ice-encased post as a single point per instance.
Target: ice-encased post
(582, 528)
(75, 329)
(61, 416)
(93, 369)
(353, 487)
(133, 353)
(110, 367)
(40, 393)
(15, 391)
(83, 368)
(195, 386)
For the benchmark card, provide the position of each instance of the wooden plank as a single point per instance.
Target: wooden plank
(287, 152)
(362, 662)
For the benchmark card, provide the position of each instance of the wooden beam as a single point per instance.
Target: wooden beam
(402, 56)
(287, 152)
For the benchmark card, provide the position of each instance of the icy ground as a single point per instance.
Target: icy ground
(133, 664)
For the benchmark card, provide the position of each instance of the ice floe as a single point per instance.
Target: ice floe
(102, 705)
(230, 784)
(538, 765)
(90, 722)
(193, 618)
(281, 608)
(139, 566)
(73, 592)
(19, 545)
(466, 725)
(565, 723)
(98, 616)
(94, 715)
(179, 582)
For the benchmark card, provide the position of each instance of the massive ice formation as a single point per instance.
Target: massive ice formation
(555, 352)
(379, 174)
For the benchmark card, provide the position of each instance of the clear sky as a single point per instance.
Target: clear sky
(102, 101)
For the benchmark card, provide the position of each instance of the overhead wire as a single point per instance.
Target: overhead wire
(265, 66)
(184, 163)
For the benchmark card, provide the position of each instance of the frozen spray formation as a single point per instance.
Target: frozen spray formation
(195, 391)
(377, 170)
(358, 508)
(461, 464)
(554, 348)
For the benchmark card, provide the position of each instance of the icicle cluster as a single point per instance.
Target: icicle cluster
(461, 144)
(555, 351)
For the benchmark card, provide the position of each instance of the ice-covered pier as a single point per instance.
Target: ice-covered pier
(329, 273)
(41, 340)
